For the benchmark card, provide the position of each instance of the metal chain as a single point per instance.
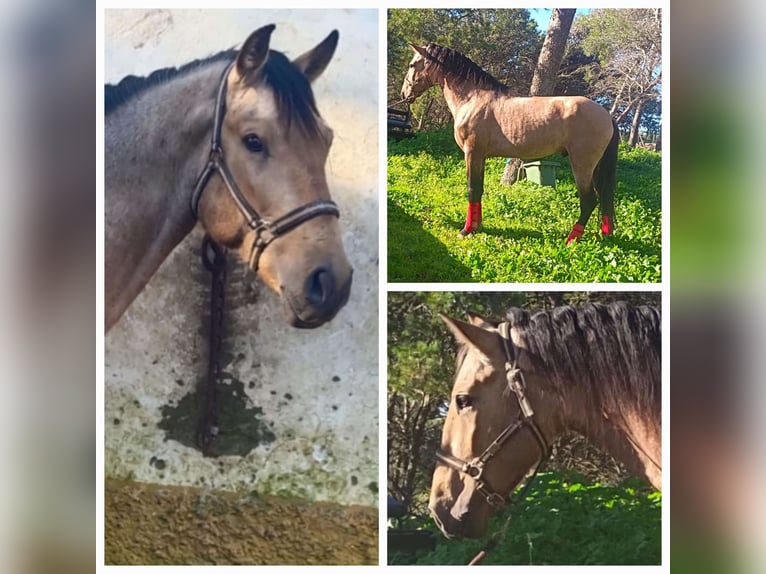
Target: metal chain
(214, 260)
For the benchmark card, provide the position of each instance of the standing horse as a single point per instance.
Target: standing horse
(236, 142)
(522, 382)
(490, 122)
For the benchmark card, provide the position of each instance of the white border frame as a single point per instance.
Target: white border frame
(384, 286)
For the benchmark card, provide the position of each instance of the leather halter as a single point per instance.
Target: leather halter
(266, 230)
(475, 467)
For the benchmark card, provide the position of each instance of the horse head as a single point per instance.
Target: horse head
(469, 481)
(276, 146)
(418, 78)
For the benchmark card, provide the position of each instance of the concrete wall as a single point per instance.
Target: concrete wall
(299, 408)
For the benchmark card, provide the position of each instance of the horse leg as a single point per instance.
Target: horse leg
(475, 176)
(605, 179)
(588, 199)
(588, 202)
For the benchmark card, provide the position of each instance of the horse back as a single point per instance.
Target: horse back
(533, 127)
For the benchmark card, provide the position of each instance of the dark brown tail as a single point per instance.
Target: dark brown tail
(605, 174)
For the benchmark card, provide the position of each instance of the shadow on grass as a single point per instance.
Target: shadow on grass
(409, 243)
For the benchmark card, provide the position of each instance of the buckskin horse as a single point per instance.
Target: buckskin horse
(236, 142)
(523, 381)
(490, 122)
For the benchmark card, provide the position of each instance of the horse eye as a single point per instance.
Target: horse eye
(253, 143)
(462, 402)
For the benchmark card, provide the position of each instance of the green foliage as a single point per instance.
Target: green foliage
(563, 520)
(626, 73)
(609, 31)
(524, 226)
(420, 348)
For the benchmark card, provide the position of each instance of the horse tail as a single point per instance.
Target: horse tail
(605, 174)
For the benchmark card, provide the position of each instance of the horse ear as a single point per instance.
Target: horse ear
(480, 320)
(476, 336)
(419, 49)
(254, 51)
(314, 62)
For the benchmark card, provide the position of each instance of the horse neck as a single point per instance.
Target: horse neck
(457, 93)
(626, 435)
(156, 145)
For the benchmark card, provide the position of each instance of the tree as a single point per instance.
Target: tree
(552, 52)
(627, 74)
(546, 71)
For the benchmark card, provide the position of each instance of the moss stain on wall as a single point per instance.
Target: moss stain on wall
(242, 426)
(161, 525)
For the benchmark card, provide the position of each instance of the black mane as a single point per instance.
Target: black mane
(612, 351)
(131, 86)
(459, 67)
(292, 90)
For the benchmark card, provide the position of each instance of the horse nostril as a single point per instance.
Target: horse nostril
(320, 287)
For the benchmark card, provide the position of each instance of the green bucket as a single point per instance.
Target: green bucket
(540, 172)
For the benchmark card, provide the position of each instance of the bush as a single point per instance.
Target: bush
(563, 520)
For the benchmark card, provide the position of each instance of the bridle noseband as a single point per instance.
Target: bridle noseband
(266, 231)
(475, 467)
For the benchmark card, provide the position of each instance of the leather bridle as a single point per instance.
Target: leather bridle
(266, 230)
(476, 466)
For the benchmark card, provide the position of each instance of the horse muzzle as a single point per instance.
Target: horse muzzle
(454, 527)
(322, 296)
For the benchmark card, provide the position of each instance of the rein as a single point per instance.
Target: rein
(266, 230)
(208, 428)
(475, 467)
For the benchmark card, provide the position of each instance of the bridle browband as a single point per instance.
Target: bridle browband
(475, 467)
(266, 231)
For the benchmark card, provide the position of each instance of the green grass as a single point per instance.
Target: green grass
(563, 521)
(524, 226)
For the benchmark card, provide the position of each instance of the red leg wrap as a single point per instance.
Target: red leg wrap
(606, 225)
(576, 233)
(473, 219)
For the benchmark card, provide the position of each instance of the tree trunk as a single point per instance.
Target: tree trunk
(552, 52)
(546, 71)
(658, 143)
(424, 115)
(511, 172)
(633, 138)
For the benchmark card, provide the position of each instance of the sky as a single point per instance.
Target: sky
(542, 15)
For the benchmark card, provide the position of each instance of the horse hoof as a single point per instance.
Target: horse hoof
(575, 234)
(606, 225)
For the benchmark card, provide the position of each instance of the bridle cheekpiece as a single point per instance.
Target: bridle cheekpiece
(475, 467)
(266, 230)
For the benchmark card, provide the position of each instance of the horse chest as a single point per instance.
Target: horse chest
(465, 130)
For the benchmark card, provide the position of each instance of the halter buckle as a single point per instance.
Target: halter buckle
(474, 468)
